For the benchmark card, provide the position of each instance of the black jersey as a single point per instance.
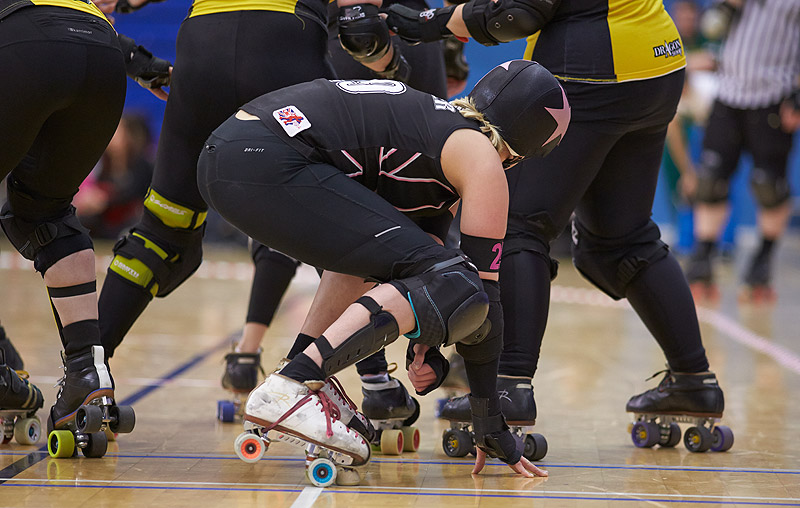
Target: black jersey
(381, 133)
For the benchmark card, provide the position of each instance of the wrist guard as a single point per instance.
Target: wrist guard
(362, 32)
(415, 26)
(455, 64)
(124, 7)
(141, 66)
(435, 359)
(398, 69)
(492, 435)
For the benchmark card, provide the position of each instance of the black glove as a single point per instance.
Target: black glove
(435, 359)
(141, 66)
(492, 435)
(398, 69)
(124, 7)
(415, 26)
(455, 64)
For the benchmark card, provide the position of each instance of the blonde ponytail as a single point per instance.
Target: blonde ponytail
(466, 106)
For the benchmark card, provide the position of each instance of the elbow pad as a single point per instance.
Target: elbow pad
(362, 32)
(491, 23)
(141, 66)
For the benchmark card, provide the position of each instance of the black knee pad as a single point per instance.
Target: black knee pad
(530, 244)
(612, 263)
(261, 253)
(45, 241)
(448, 302)
(713, 185)
(769, 189)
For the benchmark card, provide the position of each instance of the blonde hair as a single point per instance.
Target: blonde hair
(466, 106)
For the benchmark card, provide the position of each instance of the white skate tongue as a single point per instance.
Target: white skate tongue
(99, 364)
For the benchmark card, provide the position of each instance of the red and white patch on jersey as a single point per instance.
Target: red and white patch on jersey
(291, 119)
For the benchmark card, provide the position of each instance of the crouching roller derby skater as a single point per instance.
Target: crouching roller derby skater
(63, 90)
(363, 169)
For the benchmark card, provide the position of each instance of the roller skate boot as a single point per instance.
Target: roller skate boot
(241, 376)
(85, 408)
(690, 398)
(13, 359)
(757, 282)
(392, 411)
(700, 275)
(303, 415)
(19, 401)
(519, 409)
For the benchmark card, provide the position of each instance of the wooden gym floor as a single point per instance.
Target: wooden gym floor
(596, 354)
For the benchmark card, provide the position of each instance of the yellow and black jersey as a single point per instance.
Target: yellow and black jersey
(201, 7)
(608, 41)
(9, 6)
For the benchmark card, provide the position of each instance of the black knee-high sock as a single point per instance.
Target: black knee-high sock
(660, 296)
(272, 277)
(300, 344)
(373, 364)
(120, 305)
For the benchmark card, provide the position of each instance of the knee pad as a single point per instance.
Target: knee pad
(164, 249)
(261, 253)
(769, 190)
(448, 302)
(45, 241)
(381, 331)
(713, 186)
(612, 263)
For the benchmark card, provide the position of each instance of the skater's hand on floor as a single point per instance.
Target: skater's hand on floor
(420, 373)
(523, 467)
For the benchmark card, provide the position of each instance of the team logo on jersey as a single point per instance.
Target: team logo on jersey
(668, 49)
(291, 119)
(442, 105)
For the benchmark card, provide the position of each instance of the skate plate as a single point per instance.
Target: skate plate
(88, 431)
(459, 440)
(21, 425)
(650, 429)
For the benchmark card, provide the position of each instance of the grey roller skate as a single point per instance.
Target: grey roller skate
(85, 408)
(241, 376)
(696, 399)
(519, 410)
(700, 275)
(757, 282)
(19, 401)
(392, 411)
(454, 384)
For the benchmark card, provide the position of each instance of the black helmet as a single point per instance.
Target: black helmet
(526, 103)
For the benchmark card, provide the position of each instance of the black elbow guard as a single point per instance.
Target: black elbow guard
(141, 66)
(491, 23)
(362, 32)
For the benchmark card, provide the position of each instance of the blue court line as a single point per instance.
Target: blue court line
(429, 494)
(35, 457)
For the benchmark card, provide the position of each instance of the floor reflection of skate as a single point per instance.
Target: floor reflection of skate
(21, 425)
(92, 421)
(649, 430)
(459, 440)
(324, 466)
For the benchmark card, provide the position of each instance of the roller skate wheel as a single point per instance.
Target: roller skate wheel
(645, 434)
(61, 443)
(411, 438)
(697, 439)
(123, 420)
(347, 477)
(670, 437)
(226, 410)
(391, 442)
(722, 438)
(249, 447)
(321, 473)
(89, 418)
(456, 443)
(96, 445)
(27, 431)
(535, 447)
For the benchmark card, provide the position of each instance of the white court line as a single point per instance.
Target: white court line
(313, 492)
(720, 322)
(307, 497)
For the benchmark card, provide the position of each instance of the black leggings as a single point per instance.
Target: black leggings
(61, 97)
(605, 170)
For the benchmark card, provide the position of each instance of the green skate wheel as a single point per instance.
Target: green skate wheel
(321, 473)
(671, 438)
(249, 447)
(456, 443)
(645, 434)
(61, 443)
(411, 439)
(697, 439)
(89, 419)
(722, 438)
(96, 446)
(535, 447)
(391, 442)
(27, 431)
(123, 419)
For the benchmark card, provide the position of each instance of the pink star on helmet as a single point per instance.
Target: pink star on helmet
(561, 116)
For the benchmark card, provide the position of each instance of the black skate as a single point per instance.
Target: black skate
(454, 384)
(699, 274)
(681, 398)
(757, 282)
(392, 411)
(241, 376)
(13, 359)
(19, 401)
(85, 408)
(519, 410)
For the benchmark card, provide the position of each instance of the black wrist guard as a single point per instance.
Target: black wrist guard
(435, 359)
(124, 7)
(141, 66)
(415, 26)
(398, 69)
(362, 32)
(492, 435)
(455, 64)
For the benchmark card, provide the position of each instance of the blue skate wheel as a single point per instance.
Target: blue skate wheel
(226, 410)
(722, 438)
(645, 434)
(321, 472)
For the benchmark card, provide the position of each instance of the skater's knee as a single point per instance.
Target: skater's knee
(262, 254)
(613, 263)
(164, 249)
(713, 187)
(532, 244)
(770, 190)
